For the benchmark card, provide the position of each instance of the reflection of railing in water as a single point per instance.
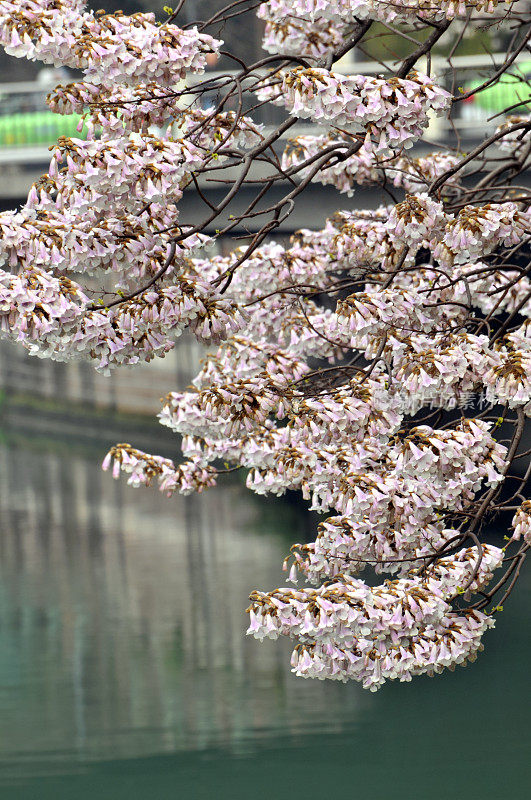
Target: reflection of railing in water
(122, 617)
(136, 389)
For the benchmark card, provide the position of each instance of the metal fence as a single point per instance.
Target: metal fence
(26, 122)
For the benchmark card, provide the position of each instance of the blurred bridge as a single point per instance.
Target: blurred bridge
(28, 128)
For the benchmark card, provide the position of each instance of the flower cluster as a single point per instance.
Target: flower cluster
(514, 142)
(392, 514)
(112, 110)
(143, 469)
(522, 523)
(391, 113)
(122, 173)
(52, 318)
(509, 381)
(108, 47)
(35, 306)
(214, 133)
(475, 232)
(384, 10)
(365, 166)
(454, 640)
(299, 36)
(348, 630)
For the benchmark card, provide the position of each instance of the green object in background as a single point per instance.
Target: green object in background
(511, 91)
(37, 127)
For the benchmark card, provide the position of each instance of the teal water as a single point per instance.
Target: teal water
(125, 672)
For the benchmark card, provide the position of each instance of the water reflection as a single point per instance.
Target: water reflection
(122, 616)
(125, 674)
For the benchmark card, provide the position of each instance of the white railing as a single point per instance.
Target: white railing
(28, 128)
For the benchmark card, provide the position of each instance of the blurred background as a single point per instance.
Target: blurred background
(124, 668)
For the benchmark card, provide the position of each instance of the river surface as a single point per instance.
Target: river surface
(125, 671)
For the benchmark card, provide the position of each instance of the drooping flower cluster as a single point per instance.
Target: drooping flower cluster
(391, 113)
(365, 166)
(143, 469)
(115, 109)
(522, 523)
(299, 36)
(385, 10)
(37, 305)
(52, 317)
(348, 630)
(475, 232)
(107, 47)
(382, 526)
(127, 172)
(514, 141)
